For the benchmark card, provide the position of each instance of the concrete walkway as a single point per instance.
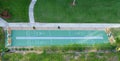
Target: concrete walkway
(79, 25)
(3, 23)
(31, 11)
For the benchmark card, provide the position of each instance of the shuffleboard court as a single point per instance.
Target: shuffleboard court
(57, 37)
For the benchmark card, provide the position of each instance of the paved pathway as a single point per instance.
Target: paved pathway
(31, 11)
(84, 25)
(3, 23)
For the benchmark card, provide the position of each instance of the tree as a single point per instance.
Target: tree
(74, 2)
(5, 14)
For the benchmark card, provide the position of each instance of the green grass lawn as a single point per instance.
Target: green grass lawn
(55, 54)
(18, 9)
(62, 57)
(85, 11)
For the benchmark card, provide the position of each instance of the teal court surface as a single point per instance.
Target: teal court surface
(28, 38)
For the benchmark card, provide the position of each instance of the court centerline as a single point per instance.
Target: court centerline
(92, 37)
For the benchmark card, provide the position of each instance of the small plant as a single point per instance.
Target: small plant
(34, 27)
(59, 27)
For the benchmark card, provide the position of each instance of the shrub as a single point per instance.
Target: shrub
(23, 49)
(31, 49)
(27, 49)
(2, 38)
(16, 49)
(19, 49)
